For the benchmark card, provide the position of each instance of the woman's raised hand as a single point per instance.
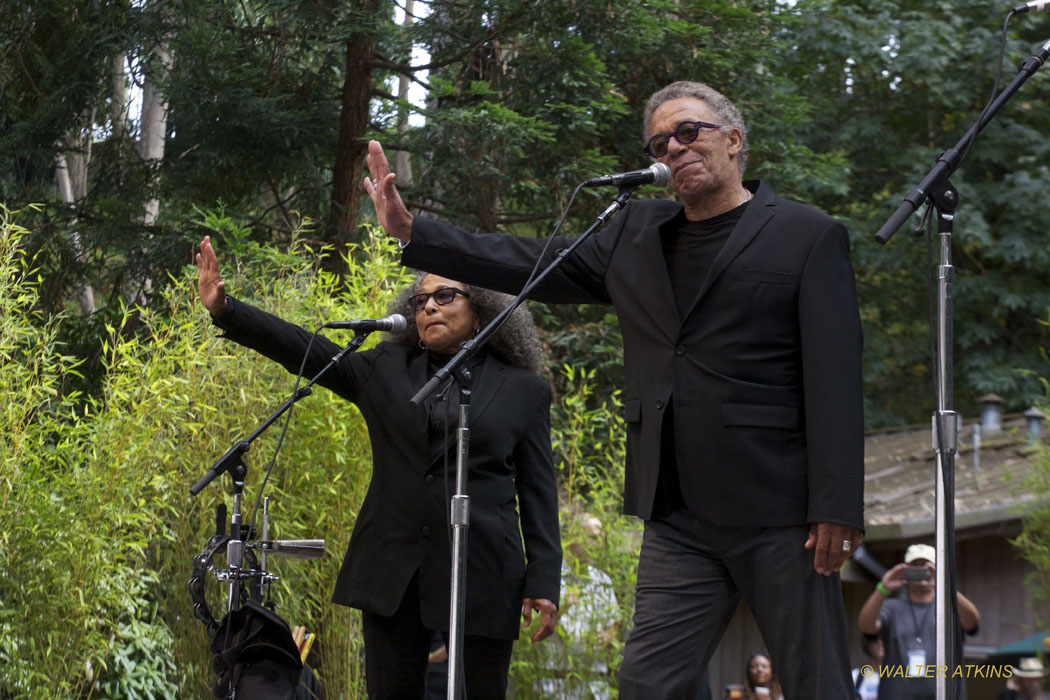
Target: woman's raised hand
(210, 286)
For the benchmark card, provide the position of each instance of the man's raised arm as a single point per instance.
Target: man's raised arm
(390, 210)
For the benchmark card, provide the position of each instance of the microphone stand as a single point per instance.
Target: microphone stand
(942, 195)
(233, 462)
(460, 512)
(460, 518)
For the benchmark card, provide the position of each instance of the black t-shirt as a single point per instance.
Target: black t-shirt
(690, 248)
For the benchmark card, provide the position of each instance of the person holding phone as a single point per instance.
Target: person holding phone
(908, 627)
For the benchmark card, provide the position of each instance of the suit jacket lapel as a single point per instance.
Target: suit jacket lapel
(757, 214)
(416, 416)
(484, 390)
(650, 265)
(417, 378)
(492, 378)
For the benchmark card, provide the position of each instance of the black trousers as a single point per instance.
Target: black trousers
(691, 575)
(396, 650)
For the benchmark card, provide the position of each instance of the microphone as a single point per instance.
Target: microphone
(296, 549)
(1034, 6)
(395, 323)
(655, 174)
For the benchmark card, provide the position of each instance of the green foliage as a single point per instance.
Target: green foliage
(600, 546)
(140, 665)
(99, 530)
(50, 565)
(891, 86)
(1034, 540)
(847, 102)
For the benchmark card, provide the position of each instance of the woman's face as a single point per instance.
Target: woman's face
(443, 328)
(760, 670)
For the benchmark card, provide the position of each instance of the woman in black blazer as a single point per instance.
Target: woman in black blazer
(397, 567)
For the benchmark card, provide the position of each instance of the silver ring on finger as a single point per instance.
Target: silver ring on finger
(846, 545)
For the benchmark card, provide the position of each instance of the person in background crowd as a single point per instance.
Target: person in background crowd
(866, 677)
(1028, 682)
(908, 627)
(761, 683)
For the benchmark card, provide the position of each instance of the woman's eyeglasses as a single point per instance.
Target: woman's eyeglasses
(685, 133)
(445, 295)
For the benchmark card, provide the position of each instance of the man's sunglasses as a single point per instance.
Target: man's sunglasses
(685, 133)
(445, 295)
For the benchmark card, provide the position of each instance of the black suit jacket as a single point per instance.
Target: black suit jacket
(402, 526)
(764, 369)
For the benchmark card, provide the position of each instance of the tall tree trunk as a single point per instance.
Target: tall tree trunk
(71, 179)
(353, 123)
(402, 164)
(154, 121)
(118, 106)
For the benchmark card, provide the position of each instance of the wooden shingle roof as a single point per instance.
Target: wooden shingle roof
(899, 485)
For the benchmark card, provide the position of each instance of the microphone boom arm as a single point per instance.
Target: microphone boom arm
(948, 161)
(445, 373)
(233, 456)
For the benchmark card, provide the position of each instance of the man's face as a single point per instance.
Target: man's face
(706, 166)
(1031, 686)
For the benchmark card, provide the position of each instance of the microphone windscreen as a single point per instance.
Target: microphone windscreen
(663, 173)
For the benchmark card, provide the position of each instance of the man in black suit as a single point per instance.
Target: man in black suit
(742, 348)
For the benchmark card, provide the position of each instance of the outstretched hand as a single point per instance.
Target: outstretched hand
(210, 287)
(391, 211)
(828, 540)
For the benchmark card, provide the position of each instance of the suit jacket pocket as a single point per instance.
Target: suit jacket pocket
(765, 276)
(760, 416)
(632, 410)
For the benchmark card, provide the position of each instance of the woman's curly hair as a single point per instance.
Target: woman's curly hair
(517, 343)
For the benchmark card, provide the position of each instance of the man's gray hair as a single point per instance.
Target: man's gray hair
(728, 114)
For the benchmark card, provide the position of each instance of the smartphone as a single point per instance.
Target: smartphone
(735, 692)
(915, 573)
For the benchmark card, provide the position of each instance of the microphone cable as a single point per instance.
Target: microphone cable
(284, 428)
(995, 83)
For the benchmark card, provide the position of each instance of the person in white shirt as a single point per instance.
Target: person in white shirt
(866, 677)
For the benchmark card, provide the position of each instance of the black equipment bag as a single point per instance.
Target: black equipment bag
(254, 653)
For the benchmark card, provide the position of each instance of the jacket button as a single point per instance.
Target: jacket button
(429, 478)
(425, 531)
(659, 403)
(680, 350)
